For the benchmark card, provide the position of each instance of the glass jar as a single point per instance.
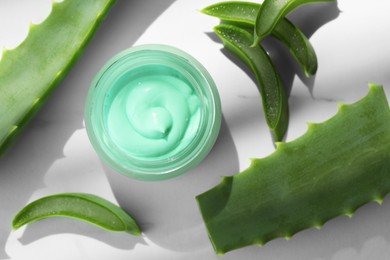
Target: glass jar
(153, 112)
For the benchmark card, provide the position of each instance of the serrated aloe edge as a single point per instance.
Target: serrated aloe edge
(334, 168)
(31, 71)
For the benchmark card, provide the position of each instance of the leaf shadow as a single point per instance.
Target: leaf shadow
(310, 18)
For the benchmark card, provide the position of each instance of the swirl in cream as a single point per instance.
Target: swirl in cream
(154, 116)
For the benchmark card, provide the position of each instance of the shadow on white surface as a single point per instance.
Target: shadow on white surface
(167, 210)
(23, 168)
(310, 18)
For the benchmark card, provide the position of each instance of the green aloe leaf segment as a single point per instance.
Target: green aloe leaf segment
(236, 18)
(244, 15)
(334, 168)
(275, 101)
(81, 206)
(31, 71)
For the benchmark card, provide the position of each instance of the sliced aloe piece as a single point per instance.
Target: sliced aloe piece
(333, 169)
(82, 206)
(275, 101)
(244, 14)
(31, 71)
(272, 12)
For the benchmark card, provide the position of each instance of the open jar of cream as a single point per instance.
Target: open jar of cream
(153, 112)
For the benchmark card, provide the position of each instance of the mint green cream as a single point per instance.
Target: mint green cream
(158, 111)
(153, 112)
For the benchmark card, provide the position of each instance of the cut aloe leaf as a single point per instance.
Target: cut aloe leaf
(334, 168)
(31, 71)
(86, 207)
(244, 14)
(274, 97)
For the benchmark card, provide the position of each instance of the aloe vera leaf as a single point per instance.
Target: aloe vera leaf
(31, 71)
(244, 14)
(87, 207)
(334, 168)
(275, 101)
(272, 12)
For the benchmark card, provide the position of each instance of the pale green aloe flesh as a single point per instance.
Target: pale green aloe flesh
(272, 12)
(82, 206)
(30, 72)
(244, 14)
(274, 97)
(334, 168)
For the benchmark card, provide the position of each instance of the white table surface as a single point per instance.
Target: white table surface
(54, 155)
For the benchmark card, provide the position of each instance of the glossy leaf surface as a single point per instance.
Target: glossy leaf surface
(272, 12)
(86, 207)
(275, 101)
(244, 14)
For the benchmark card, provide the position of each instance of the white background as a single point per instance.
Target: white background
(53, 155)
